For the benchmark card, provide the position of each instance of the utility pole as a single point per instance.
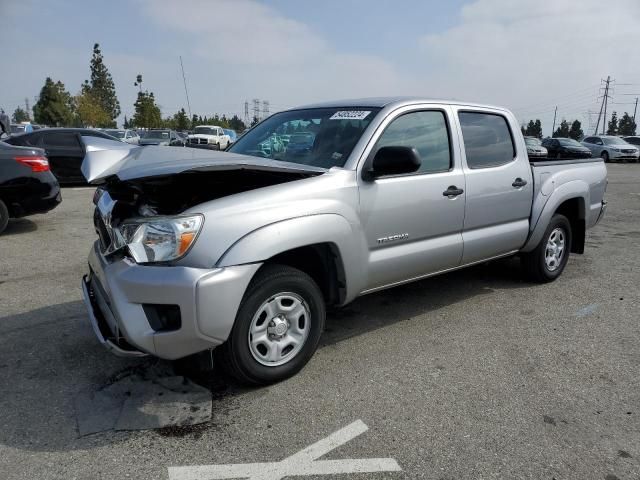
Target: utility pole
(634, 110)
(553, 129)
(184, 80)
(265, 109)
(246, 113)
(606, 98)
(28, 110)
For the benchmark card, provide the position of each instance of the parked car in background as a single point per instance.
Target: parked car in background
(609, 147)
(209, 136)
(633, 140)
(243, 252)
(27, 185)
(63, 149)
(161, 136)
(20, 128)
(534, 147)
(561, 147)
(233, 136)
(124, 135)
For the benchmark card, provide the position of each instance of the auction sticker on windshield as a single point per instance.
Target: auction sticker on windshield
(350, 115)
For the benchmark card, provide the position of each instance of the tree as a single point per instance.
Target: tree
(147, 113)
(126, 123)
(575, 131)
(181, 121)
(538, 129)
(562, 130)
(89, 112)
(626, 125)
(612, 127)
(54, 106)
(533, 129)
(236, 124)
(102, 89)
(20, 115)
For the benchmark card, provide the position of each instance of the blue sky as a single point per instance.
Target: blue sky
(528, 56)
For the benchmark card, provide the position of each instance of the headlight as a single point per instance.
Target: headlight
(616, 149)
(160, 239)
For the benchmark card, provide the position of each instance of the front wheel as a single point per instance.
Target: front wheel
(605, 157)
(277, 328)
(547, 261)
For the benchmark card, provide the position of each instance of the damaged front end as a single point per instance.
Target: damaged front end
(145, 190)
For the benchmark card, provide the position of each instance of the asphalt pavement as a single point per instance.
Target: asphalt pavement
(470, 375)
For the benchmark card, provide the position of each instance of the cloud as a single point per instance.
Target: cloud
(250, 50)
(533, 55)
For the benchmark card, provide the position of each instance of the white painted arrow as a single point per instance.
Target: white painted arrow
(299, 464)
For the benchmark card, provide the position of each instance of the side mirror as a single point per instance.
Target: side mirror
(391, 161)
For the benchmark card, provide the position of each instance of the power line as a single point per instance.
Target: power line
(184, 79)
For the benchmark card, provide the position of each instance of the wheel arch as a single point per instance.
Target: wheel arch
(324, 246)
(570, 200)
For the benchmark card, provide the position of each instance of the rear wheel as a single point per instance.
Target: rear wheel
(605, 157)
(277, 328)
(547, 261)
(4, 216)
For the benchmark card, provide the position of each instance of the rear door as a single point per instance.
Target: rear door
(65, 154)
(499, 186)
(412, 229)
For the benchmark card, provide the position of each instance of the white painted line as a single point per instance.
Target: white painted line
(303, 463)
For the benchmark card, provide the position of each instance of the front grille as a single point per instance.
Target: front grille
(628, 151)
(198, 141)
(101, 230)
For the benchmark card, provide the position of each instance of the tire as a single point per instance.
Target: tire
(218, 145)
(540, 267)
(605, 157)
(251, 362)
(4, 216)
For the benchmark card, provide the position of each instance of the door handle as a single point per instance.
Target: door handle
(453, 191)
(518, 182)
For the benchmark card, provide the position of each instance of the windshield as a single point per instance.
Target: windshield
(534, 142)
(204, 130)
(614, 141)
(17, 128)
(156, 134)
(568, 142)
(115, 133)
(321, 137)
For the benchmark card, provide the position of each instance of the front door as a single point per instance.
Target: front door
(499, 186)
(412, 228)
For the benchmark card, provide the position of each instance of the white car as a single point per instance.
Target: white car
(124, 135)
(610, 147)
(209, 136)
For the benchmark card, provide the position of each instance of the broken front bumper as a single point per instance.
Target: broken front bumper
(120, 297)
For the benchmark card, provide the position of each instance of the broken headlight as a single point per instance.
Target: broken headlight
(160, 239)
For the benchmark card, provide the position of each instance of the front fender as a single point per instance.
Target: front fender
(567, 191)
(279, 237)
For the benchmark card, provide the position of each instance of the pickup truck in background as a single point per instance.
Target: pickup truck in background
(242, 251)
(208, 136)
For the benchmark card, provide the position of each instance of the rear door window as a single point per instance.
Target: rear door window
(487, 139)
(61, 139)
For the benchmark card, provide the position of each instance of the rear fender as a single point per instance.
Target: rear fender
(567, 191)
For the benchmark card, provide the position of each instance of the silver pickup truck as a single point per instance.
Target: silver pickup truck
(242, 251)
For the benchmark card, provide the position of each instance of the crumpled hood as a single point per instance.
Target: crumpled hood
(106, 158)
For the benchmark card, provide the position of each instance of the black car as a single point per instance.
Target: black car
(27, 185)
(561, 147)
(63, 148)
(162, 136)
